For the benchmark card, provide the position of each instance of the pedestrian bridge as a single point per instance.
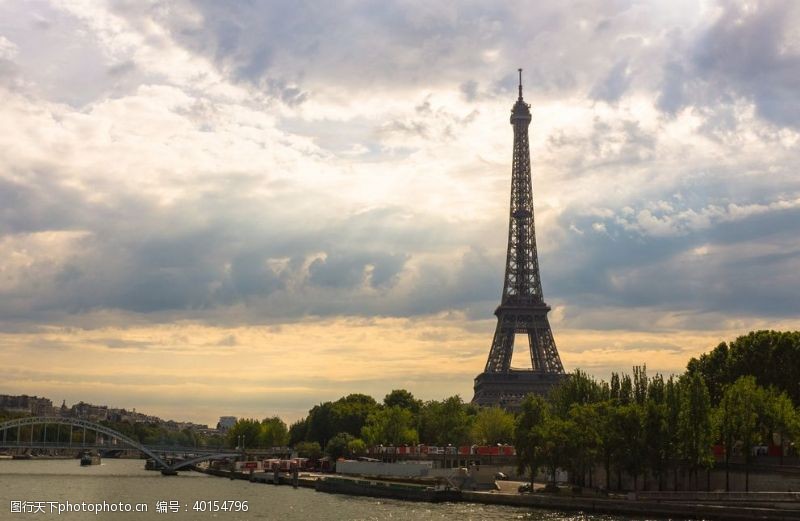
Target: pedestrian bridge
(12, 430)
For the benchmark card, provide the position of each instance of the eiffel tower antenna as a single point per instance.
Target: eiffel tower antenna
(522, 309)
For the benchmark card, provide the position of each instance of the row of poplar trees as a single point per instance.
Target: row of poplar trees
(635, 425)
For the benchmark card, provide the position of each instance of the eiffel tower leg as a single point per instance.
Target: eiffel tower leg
(536, 352)
(544, 354)
(502, 347)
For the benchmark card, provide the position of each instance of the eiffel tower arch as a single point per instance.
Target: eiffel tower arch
(522, 309)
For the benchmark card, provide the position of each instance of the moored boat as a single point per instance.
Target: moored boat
(382, 488)
(89, 459)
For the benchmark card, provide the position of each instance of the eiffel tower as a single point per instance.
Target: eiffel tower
(522, 309)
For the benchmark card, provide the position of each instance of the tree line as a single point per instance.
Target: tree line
(347, 426)
(737, 396)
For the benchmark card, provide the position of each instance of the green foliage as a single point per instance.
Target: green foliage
(740, 416)
(390, 426)
(347, 414)
(529, 434)
(350, 413)
(403, 399)
(356, 447)
(578, 388)
(492, 425)
(337, 447)
(583, 438)
(640, 384)
(308, 449)
(298, 432)
(694, 423)
(771, 357)
(321, 423)
(445, 422)
(656, 438)
(555, 434)
(625, 390)
(629, 454)
(273, 433)
(247, 428)
(270, 432)
(781, 418)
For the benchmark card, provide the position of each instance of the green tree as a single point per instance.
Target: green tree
(610, 437)
(672, 401)
(445, 422)
(640, 384)
(769, 356)
(630, 447)
(356, 447)
(390, 426)
(781, 417)
(244, 433)
(349, 414)
(492, 425)
(740, 420)
(656, 439)
(694, 424)
(625, 390)
(273, 433)
(321, 423)
(337, 446)
(555, 433)
(578, 388)
(298, 431)
(528, 435)
(403, 399)
(715, 369)
(583, 441)
(614, 388)
(308, 449)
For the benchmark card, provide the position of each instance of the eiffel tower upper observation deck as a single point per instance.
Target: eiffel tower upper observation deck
(522, 309)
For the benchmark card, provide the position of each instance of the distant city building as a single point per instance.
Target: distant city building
(179, 426)
(26, 404)
(36, 406)
(87, 411)
(226, 422)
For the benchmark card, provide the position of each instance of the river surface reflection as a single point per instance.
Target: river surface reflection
(126, 481)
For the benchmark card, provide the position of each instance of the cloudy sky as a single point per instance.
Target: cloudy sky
(247, 208)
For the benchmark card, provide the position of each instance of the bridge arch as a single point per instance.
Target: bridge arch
(199, 459)
(84, 424)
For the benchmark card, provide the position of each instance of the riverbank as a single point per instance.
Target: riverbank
(721, 510)
(738, 507)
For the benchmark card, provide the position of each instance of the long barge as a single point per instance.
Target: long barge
(385, 489)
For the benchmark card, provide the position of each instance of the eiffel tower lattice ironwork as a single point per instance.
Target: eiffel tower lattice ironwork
(522, 309)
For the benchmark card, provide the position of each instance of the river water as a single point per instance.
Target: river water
(50, 484)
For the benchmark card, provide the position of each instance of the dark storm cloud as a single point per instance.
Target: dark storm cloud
(728, 267)
(339, 270)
